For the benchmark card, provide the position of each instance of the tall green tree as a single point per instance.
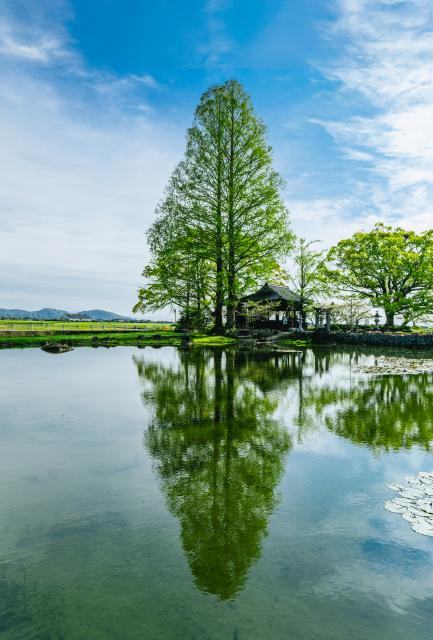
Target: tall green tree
(390, 267)
(306, 278)
(223, 200)
(256, 219)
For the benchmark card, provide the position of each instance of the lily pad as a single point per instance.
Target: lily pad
(411, 517)
(394, 508)
(422, 528)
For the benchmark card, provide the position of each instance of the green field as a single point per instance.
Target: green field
(58, 325)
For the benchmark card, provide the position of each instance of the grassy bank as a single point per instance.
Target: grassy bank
(111, 339)
(153, 335)
(294, 342)
(76, 326)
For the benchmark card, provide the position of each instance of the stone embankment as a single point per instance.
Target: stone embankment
(375, 338)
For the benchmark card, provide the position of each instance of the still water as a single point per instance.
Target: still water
(161, 494)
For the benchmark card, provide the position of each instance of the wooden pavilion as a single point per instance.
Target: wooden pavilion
(283, 305)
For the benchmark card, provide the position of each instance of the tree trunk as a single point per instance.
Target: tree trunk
(187, 308)
(231, 305)
(389, 318)
(231, 270)
(231, 316)
(303, 317)
(219, 302)
(219, 297)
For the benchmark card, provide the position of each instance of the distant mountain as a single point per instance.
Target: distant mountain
(42, 314)
(100, 314)
(58, 314)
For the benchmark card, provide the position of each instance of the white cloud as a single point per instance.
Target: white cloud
(80, 179)
(41, 51)
(147, 80)
(114, 86)
(329, 219)
(40, 41)
(386, 60)
(76, 197)
(218, 43)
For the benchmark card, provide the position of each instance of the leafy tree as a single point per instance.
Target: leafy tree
(257, 310)
(306, 279)
(351, 311)
(390, 267)
(223, 202)
(255, 218)
(417, 317)
(176, 276)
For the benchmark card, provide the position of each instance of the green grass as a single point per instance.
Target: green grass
(109, 334)
(58, 325)
(107, 339)
(293, 342)
(89, 339)
(213, 341)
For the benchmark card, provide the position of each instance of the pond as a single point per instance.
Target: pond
(216, 494)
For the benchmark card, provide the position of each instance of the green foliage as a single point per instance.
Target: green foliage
(306, 278)
(351, 311)
(258, 310)
(222, 224)
(177, 275)
(390, 267)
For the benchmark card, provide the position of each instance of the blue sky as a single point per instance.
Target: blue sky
(95, 98)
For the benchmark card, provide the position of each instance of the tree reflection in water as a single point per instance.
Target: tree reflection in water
(220, 455)
(387, 412)
(382, 412)
(220, 452)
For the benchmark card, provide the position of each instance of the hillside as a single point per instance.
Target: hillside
(59, 314)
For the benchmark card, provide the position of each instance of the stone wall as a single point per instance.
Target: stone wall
(374, 338)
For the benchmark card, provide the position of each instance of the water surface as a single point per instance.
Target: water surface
(209, 494)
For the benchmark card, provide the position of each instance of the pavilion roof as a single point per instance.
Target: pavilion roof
(273, 292)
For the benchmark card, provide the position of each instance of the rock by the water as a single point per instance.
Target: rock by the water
(56, 348)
